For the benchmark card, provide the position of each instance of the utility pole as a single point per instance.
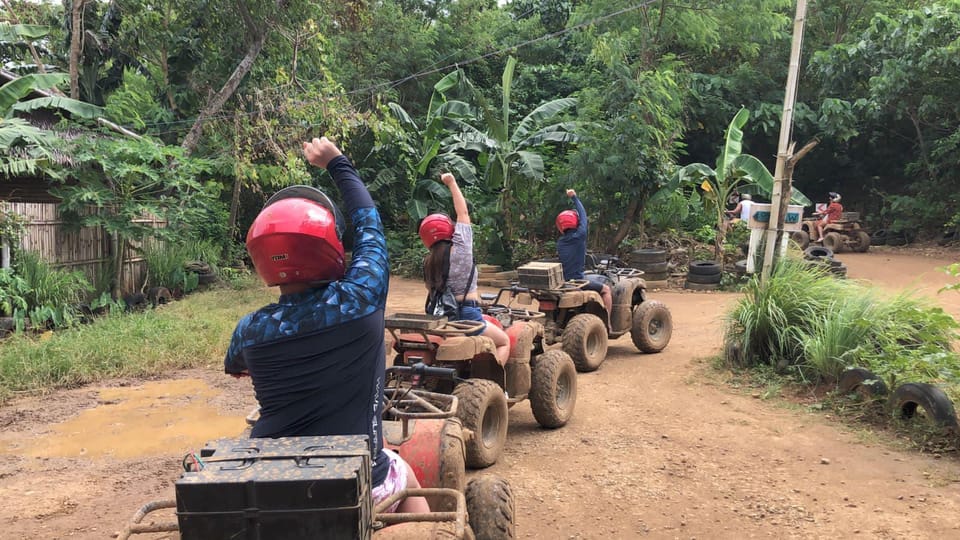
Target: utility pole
(780, 179)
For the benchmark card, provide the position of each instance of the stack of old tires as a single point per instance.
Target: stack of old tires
(908, 401)
(653, 262)
(703, 276)
(823, 257)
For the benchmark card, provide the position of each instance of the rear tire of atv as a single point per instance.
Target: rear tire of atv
(483, 410)
(491, 508)
(863, 382)
(585, 340)
(907, 398)
(833, 241)
(801, 238)
(553, 390)
(863, 242)
(652, 327)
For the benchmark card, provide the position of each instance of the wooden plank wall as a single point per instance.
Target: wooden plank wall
(87, 249)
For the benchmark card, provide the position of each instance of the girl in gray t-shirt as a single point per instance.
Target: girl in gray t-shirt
(450, 261)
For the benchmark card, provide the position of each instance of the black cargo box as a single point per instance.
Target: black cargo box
(292, 488)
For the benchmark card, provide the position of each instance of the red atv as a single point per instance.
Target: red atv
(486, 390)
(251, 490)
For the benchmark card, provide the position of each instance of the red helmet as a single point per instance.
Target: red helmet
(568, 219)
(436, 227)
(296, 238)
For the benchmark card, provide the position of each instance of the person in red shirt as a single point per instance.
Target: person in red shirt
(833, 213)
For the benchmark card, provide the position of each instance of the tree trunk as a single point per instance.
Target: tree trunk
(634, 209)
(234, 210)
(76, 46)
(117, 279)
(215, 104)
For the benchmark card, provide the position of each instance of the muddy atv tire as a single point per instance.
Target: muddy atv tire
(553, 390)
(862, 242)
(491, 508)
(652, 326)
(585, 340)
(937, 407)
(833, 241)
(801, 238)
(453, 472)
(483, 410)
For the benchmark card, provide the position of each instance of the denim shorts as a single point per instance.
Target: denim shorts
(470, 311)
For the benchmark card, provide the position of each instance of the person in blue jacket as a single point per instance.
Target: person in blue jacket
(316, 356)
(572, 248)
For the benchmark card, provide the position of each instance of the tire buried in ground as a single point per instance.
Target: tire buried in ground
(908, 398)
(863, 382)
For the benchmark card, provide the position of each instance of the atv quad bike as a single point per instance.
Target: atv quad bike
(578, 319)
(844, 234)
(421, 426)
(485, 389)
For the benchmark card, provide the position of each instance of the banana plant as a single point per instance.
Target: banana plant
(509, 159)
(733, 170)
(32, 144)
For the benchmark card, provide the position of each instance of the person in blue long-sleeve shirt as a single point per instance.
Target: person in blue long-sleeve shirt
(572, 248)
(316, 356)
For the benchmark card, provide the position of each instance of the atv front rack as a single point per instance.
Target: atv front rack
(380, 519)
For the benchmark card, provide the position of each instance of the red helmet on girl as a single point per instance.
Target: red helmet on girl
(436, 227)
(568, 219)
(296, 238)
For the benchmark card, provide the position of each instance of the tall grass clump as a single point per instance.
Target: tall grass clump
(53, 296)
(805, 321)
(165, 262)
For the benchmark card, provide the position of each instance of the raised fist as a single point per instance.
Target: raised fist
(320, 151)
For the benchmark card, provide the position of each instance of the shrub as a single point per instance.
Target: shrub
(803, 319)
(53, 296)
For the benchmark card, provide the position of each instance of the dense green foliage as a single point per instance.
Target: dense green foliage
(806, 321)
(623, 93)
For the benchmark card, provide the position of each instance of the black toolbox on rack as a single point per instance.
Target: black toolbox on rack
(292, 488)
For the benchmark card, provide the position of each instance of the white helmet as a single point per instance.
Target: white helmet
(746, 197)
(834, 196)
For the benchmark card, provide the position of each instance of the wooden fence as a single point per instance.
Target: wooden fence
(87, 249)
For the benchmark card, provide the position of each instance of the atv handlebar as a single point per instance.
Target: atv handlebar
(423, 370)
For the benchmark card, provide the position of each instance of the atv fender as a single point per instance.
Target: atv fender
(465, 348)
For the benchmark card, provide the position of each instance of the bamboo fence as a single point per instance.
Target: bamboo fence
(85, 248)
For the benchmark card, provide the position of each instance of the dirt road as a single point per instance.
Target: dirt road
(657, 447)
